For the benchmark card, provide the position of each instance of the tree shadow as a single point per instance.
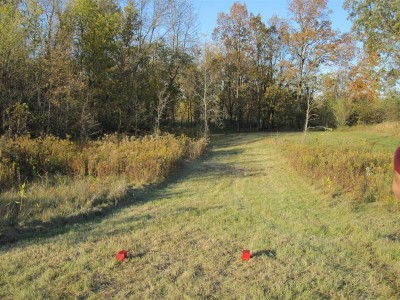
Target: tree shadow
(239, 139)
(268, 252)
(394, 237)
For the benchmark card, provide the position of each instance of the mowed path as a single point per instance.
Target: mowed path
(185, 239)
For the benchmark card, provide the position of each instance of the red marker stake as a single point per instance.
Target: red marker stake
(245, 255)
(122, 255)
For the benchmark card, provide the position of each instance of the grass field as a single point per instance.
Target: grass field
(185, 237)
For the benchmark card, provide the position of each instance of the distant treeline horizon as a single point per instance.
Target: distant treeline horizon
(85, 68)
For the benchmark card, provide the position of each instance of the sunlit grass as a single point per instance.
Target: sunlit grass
(49, 179)
(185, 239)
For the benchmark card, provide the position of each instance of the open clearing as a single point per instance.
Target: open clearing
(185, 239)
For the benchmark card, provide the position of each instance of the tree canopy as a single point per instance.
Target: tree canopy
(84, 68)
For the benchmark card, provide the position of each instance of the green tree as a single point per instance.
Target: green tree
(233, 31)
(96, 26)
(311, 42)
(265, 56)
(377, 24)
(19, 36)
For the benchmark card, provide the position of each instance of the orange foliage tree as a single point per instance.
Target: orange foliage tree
(311, 41)
(364, 87)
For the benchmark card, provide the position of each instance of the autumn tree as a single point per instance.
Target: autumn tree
(189, 105)
(55, 105)
(210, 89)
(19, 36)
(201, 89)
(335, 95)
(310, 40)
(88, 67)
(233, 31)
(364, 88)
(182, 37)
(141, 32)
(335, 87)
(83, 68)
(266, 81)
(155, 46)
(280, 104)
(377, 24)
(261, 53)
(95, 30)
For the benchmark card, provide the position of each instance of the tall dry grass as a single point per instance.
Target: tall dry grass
(389, 128)
(59, 200)
(142, 160)
(23, 159)
(45, 178)
(356, 169)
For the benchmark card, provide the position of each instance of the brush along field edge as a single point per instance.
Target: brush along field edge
(53, 181)
(185, 239)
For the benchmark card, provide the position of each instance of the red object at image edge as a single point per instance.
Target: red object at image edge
(122, 255)
(397, 160)
(246, 255)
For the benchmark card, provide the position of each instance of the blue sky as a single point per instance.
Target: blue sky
(207, 11)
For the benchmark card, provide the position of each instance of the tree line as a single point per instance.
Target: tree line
(85, 68)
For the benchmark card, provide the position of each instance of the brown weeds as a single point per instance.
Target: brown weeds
(47, 177)
(357, 169)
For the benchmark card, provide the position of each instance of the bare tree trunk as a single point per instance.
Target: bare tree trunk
(163, 97)
(238, 109)
(308, 113)
(258, 108)
(206, 130)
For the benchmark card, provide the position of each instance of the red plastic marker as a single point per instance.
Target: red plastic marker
(122, 255)
(245, 255)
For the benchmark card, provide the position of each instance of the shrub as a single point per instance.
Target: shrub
(140, 161)
(23, 159)
(143, 160)
(359, 170)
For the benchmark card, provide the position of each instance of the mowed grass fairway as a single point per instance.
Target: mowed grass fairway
(185, 239)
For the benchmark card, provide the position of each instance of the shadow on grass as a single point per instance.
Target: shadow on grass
(269, 253)
(201, 168)
(394, 237)
(238, 139)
